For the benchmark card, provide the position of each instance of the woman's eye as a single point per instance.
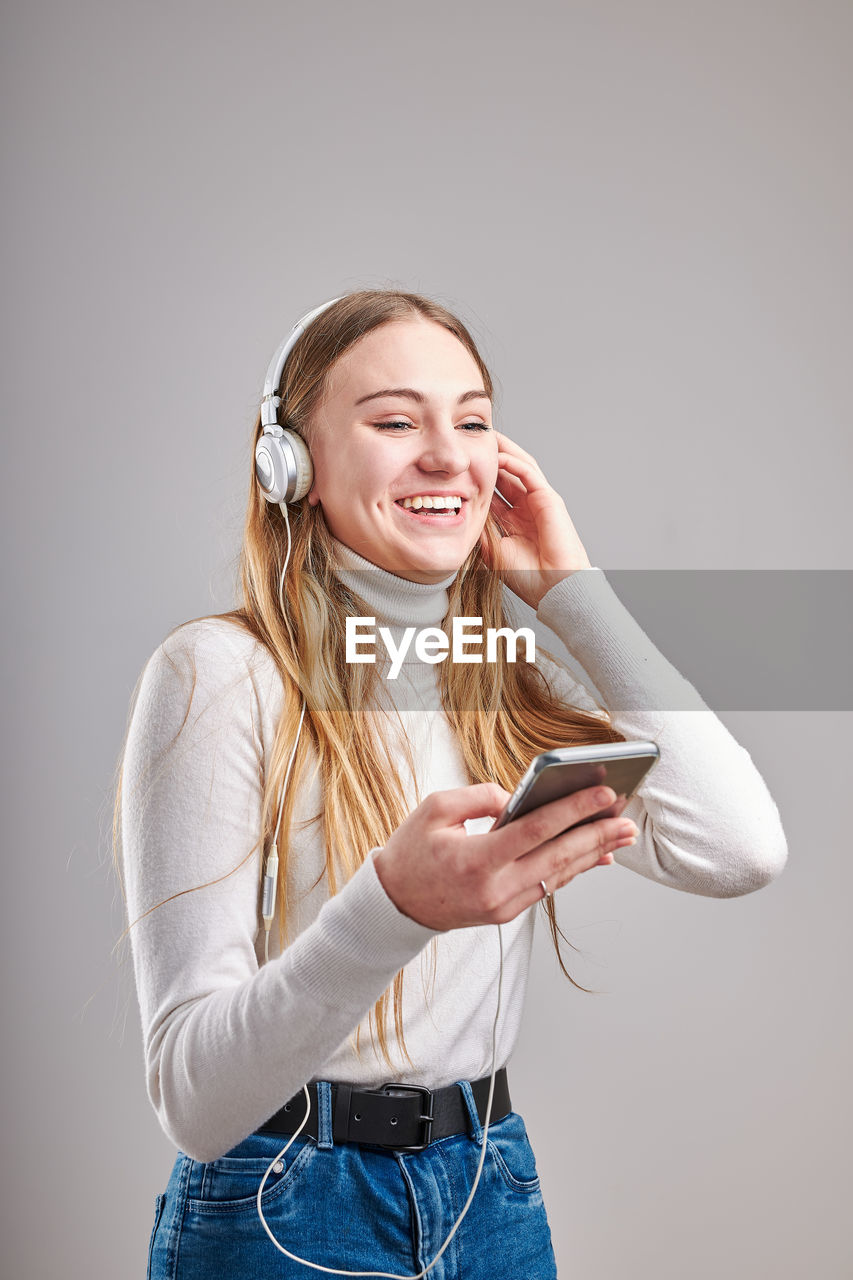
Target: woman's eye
(404, 426)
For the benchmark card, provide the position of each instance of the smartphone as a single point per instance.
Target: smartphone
(558, 773)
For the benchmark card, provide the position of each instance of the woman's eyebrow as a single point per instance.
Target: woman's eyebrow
(419, 396)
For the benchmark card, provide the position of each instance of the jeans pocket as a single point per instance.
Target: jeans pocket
(158, 1212)
(230, 1184)
(512, 1153)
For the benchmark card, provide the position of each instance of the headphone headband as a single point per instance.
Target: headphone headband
(283, 466)
(271, 399)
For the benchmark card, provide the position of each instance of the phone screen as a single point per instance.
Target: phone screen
(555, 774)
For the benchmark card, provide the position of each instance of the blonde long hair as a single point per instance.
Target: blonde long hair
(504, 713)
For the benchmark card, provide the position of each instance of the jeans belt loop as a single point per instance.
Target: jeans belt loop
(340, 1126)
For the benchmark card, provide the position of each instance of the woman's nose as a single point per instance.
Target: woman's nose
(444, 451)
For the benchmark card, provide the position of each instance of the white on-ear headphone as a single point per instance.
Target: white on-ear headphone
(282, 462)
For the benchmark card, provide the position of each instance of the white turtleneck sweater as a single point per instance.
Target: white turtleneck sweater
(228, 1038)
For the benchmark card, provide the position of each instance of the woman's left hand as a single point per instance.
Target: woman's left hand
(541, 545)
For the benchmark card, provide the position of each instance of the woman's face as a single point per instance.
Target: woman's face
(428, 434)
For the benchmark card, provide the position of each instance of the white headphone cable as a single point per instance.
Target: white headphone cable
(271, 868)
(283, 506)
(395, 1275)
(271, 871)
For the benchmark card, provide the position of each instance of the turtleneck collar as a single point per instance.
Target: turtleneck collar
(394, 601)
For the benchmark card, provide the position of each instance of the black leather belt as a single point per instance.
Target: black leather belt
(401, 1116)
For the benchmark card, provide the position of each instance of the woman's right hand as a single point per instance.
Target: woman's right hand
(442, 877)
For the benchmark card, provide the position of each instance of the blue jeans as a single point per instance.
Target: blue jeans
(358, 1208)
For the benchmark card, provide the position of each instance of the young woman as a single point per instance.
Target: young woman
(253, 736)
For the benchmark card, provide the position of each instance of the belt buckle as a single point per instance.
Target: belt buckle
(426, 1118)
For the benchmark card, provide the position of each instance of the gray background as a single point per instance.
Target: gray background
(643, 211)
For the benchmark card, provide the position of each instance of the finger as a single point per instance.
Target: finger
(520, 836)
(620, 806)
(501, 502)
(579, 850)
(481, 800)
(510, 486)
(531, 891)
(567, 857)
(507, 476)
(526, 470)
(510, 509)
(507, 445)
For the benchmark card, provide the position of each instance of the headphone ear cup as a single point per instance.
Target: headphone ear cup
(283, 466)
(303, 467)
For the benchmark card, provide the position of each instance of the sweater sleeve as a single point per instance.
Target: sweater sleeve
(707, 822)
(226, 1042)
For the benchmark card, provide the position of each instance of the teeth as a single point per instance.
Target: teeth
(451, 502)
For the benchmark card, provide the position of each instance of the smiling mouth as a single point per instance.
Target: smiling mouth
(431, 515)
(432, 502)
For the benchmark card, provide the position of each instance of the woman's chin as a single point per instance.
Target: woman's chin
(441, 553)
